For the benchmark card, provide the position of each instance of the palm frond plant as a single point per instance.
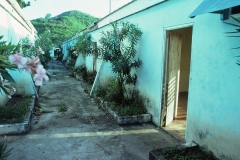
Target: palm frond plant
(118, 48)
(236, 33)
(5, 50)
(4, 153)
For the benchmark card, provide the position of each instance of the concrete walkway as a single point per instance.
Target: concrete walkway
(84, 132)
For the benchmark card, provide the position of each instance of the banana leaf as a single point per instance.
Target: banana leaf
(7, 47)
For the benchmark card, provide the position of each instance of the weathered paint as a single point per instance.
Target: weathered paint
(89, 63)
(13, 27)
(213, 102)
(80, 60)
(213, 106)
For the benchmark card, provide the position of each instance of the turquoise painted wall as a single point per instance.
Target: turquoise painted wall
(213, 104)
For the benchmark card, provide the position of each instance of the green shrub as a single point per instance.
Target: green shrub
(118, 48)
(4, 153)
(15, 110)
(100, 92)
(113, 92)
(62, 107)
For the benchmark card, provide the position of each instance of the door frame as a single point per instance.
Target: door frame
(165, 63)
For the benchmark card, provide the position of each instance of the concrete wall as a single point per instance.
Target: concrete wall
(80, 61)
(213, 104)
(89, 63)
(13, 27)
(151, 48)
(24, 84)
(64, 50)
(13, 24)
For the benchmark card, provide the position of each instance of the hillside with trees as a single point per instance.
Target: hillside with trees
(63, 26)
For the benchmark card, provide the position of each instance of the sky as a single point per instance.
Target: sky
(97, 8)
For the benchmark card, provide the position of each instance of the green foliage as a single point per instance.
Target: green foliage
(72, 57)
(130, 110)
(100, 92)
(7, 48)
(84, 44)
(134, 105)
(127, 107)
(27, 48)
(88, 77)
(235, 32)
(189, 153)
(113, 92)
(15, 110)
(44, 41)
(63, 26)
(48, 15)
(62, 107)
(5, 65)
(23, 4)
(80, 70)
(4, 153)
(118, 47)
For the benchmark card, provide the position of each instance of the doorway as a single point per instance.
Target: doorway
(176, 81)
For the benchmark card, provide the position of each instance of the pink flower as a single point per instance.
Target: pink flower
(4, 82)
(32, 64)
(40, 75)
(18, 59)
(12, 91)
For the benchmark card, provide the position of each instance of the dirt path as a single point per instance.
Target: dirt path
(84, 132)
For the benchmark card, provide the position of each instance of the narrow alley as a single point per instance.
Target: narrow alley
(84, 131)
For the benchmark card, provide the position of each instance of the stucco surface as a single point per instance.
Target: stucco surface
(213, 103)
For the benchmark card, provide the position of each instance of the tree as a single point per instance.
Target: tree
(48, 15)
(63, 26)
(23, 4)
(118, 47)
(84, 44)
(44, 41)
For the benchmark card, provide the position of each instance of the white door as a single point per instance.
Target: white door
(172, 75)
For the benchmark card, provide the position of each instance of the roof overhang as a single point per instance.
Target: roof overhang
(214, 6)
